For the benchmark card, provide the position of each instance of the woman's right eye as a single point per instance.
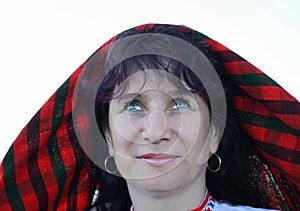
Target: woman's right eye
(134, 106)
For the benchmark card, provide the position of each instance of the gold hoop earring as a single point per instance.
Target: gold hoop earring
(219, 166)
(105, 165)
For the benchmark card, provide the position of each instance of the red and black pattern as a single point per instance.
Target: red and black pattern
(46, 169)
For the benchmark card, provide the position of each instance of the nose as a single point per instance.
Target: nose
(156, 127)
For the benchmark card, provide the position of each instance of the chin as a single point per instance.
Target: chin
(159, 184)
(169, 181)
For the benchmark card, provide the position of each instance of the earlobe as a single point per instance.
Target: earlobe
(111, 149)
(215, 139)
(109, 143)
(211, 145)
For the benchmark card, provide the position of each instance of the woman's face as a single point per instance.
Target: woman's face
(159, 133)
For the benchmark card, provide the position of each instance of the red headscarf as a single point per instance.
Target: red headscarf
(46, 169)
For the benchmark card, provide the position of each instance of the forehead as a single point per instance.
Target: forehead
(154, 80)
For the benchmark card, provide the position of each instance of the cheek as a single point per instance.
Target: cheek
(194, 129)
(122, 138)
(193, 135)
(122, 130)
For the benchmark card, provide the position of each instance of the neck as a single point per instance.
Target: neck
(181, 198)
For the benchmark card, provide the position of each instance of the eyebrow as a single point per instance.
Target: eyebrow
(128, 96)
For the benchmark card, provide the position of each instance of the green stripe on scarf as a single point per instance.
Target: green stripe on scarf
(11, 186)
(268, 122)
(253, 80)
(53, 149)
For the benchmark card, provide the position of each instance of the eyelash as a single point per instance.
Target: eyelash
(138, 103)
(131, 103)
(178, 102)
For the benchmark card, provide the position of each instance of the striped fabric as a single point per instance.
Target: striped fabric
(46, 169)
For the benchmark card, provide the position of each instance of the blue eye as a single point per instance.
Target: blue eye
(179, 104)
(134, 106)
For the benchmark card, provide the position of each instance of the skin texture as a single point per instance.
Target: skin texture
(154, 117)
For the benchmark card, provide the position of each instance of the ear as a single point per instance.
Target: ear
(109, 143)
(214, 139)
(211, 145)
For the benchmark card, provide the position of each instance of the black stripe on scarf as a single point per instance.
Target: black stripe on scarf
(36, 178)
(78, 154)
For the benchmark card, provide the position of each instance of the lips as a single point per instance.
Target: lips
(157, 160)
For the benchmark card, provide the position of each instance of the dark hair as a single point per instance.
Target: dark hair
(128, 67)
(231, 182)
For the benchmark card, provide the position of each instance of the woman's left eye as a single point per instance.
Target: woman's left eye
(179, 105)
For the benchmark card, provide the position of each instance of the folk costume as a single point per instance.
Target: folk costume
(210, 204)
(46, 168)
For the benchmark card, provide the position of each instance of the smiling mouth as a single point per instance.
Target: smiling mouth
(157, 160)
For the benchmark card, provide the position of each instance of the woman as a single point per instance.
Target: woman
(162, 114)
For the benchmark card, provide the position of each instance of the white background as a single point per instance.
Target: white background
(43, 42)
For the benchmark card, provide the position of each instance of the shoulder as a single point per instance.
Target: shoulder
(224, 206)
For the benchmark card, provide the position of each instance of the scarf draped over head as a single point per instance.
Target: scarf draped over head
(46, 168)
